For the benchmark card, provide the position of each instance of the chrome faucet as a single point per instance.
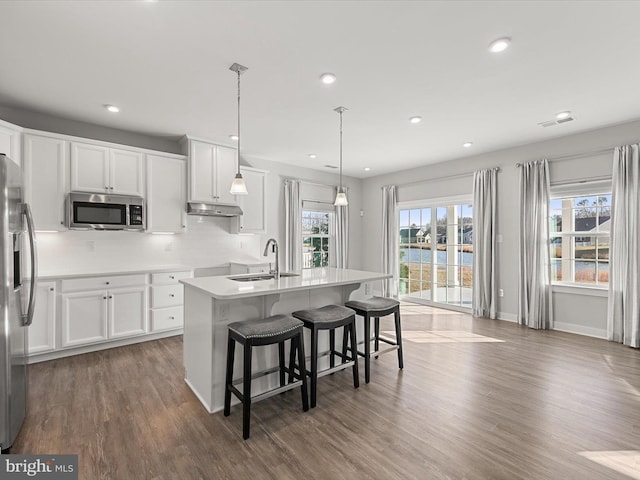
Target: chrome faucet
(276, 271)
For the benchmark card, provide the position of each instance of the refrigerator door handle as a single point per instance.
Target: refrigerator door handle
(28, 317)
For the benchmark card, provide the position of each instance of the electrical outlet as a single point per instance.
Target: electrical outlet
(500, 292)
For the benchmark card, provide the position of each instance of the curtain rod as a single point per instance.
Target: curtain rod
(575, 156)
(307, 182)
(446, 177)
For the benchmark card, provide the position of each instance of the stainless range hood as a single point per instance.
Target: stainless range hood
(213, 209)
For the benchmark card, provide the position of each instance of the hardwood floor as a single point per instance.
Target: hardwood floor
(524, 408)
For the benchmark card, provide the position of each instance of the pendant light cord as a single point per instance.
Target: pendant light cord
(341, 150)
(239, 121)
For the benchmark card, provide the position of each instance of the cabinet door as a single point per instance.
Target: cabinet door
(253, 205)
(201, 172)
(89, 168)
(127, 311)
(41, 332)
(45, 167)
(224, 174)
(126, 172)
(10, 142)
(166, 194)
(84, 318)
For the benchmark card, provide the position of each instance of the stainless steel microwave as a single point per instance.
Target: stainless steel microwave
(94, 211)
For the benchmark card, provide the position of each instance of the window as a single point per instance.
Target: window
(443, 277)
(316, 238)
(579, 238)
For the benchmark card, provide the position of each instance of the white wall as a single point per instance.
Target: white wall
(573, 312)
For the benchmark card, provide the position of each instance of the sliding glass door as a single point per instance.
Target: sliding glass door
(436, 254)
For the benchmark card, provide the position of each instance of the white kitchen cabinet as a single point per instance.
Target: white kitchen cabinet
(10, 140)
(84, 318)
(212, 169)
(95, 168)
(166, 194)
(42, 330)
(97, 309)
(127, 311)
(253, 205)
(167, 297)
(45, 171)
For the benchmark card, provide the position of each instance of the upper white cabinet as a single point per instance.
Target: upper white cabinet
(99, 169)
(211, 171)
(166, 194)
(253, 205)
(10, 140)
(45, 169)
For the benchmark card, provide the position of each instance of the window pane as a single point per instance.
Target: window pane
(585, 272)
(404, 218)
(414, 217)
(603, 248)
(585, 219)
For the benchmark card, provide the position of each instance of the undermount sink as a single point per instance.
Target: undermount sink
(260, 276)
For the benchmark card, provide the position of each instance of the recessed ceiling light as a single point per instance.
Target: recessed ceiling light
(233, 137)
(328, 78)
(467, 144)
(366, 169)
(499, 45)
(313, 155)
(112, 108)
(415, 119)
(563, 115)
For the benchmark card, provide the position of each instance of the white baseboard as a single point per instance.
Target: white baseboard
(202, 401)
(580, 330)
(508, 317)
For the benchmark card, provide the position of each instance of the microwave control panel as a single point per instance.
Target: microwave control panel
(135, 215)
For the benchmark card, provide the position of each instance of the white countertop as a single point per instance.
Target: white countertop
(92, 271)
(222, 287)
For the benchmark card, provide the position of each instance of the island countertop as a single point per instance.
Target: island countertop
(223, 288)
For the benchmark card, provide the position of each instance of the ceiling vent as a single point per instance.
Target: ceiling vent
(551, 123)
(331, 166)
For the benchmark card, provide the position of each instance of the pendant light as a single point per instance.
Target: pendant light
(341, 196)
(238, 187)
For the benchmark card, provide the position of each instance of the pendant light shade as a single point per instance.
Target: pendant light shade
(341, 196)
(238, 187)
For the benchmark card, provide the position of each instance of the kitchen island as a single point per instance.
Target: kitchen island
(211, 303)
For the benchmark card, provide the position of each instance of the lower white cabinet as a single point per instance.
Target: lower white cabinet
(167, 297)
(42, 331)
(98, 315)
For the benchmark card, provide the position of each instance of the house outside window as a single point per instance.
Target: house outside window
(316, 238)
(579, 227)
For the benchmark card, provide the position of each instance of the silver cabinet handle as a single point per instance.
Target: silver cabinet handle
(106, 187)
(172, 318)
(171, 277)
(110, 188)
(110, 296)
(104, 298)
(171, 295)
(51, 289)
(107, 283)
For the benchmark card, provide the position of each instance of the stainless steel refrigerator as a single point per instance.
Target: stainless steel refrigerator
(17, 298)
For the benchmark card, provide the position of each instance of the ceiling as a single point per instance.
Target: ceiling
(166, 65)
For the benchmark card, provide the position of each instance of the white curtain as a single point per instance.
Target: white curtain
(341, 225)
(293, 226)
(623, 313)
(534, 292)
(484, 242)
(390, 240)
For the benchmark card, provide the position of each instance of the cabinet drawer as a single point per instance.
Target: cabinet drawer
(102, 283)
(166, 318)
(166, 296)
(169, 277)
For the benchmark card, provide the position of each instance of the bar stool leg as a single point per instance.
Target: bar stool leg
(332, 347)
(231, 348)
(281, 362)
(314, 365)
(376, 328)
(396, 315)
(345, 339)
(246, 392)
(303, 373)
(354, 353)
(292, 359)
(367, 347)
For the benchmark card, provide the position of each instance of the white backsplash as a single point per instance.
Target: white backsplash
(207, 243)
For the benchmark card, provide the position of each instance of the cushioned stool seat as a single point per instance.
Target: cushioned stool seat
(267, 331)
(329, 318)
(377, 307)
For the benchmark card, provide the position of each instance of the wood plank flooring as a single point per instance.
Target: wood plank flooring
(524, 408)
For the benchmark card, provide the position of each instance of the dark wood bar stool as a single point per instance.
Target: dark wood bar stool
(329, 318)
(377, 307)
(253, 333)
